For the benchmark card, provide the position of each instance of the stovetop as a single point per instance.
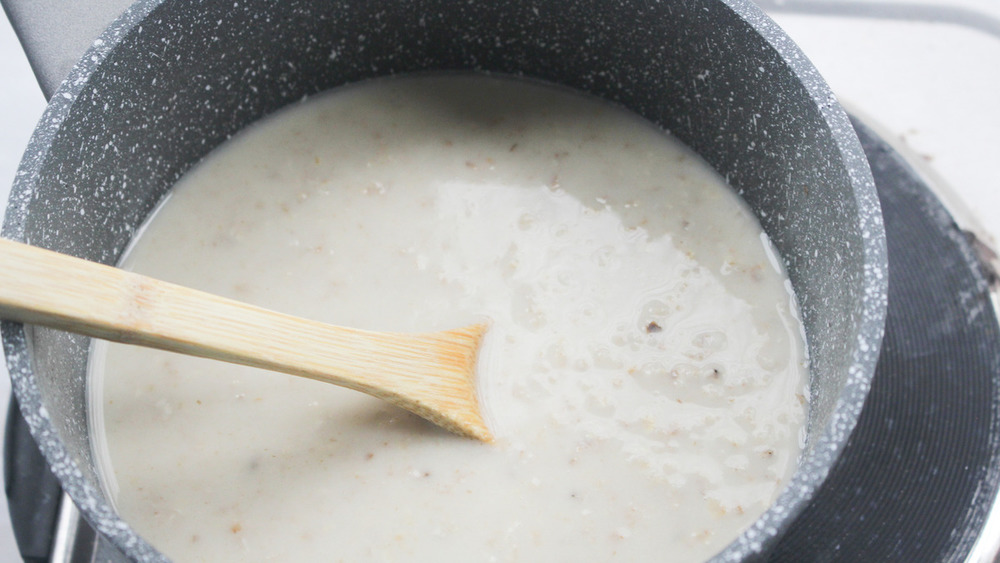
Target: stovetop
(918, 479)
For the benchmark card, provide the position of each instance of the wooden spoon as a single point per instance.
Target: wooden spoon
(430, 374)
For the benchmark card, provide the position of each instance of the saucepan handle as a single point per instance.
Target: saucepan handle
(55, 34)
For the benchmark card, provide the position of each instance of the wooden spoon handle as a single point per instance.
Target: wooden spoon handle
(429, 374)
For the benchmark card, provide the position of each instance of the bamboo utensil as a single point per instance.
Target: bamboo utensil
(429, 374)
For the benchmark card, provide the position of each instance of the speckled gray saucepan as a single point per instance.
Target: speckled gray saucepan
(173, 79)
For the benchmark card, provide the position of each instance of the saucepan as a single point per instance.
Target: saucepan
(172, 79)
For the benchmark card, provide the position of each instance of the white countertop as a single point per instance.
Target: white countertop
(925, 74)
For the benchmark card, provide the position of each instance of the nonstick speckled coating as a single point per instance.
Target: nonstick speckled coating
(170, 80)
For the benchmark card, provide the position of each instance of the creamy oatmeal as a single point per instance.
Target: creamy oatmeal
(644, 371)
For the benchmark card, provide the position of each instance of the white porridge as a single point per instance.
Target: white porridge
(644, 372)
